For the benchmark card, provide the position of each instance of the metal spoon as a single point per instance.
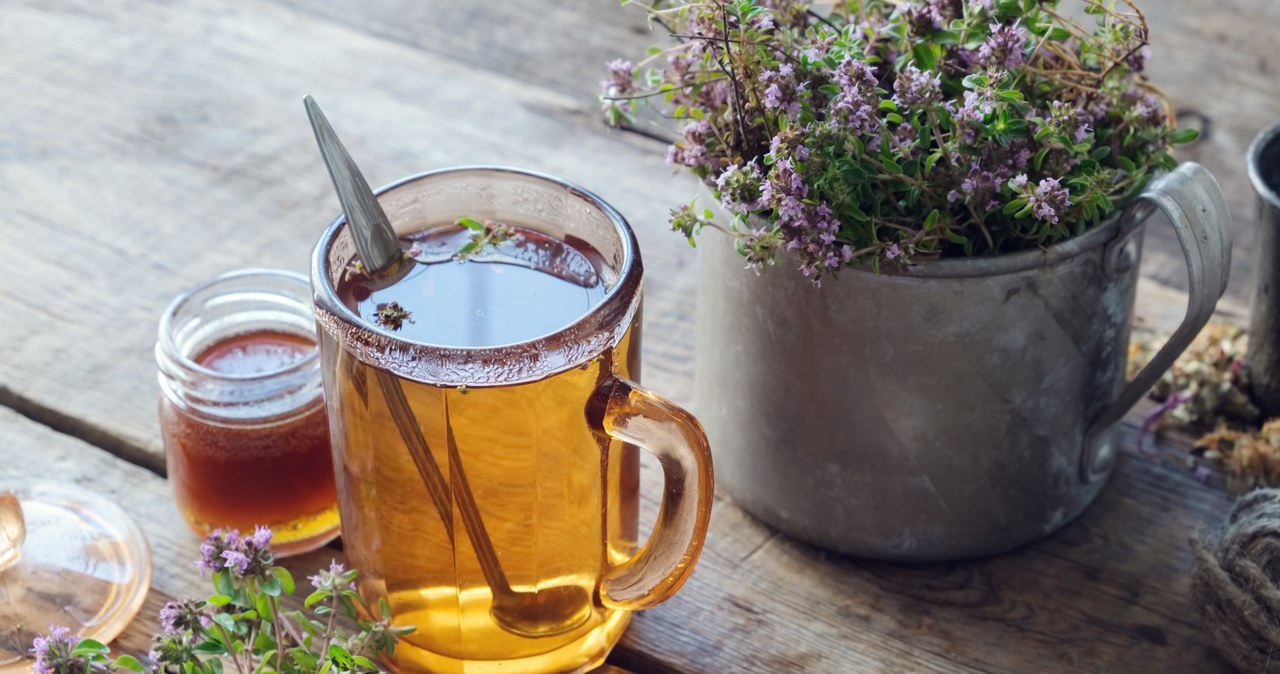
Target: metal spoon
(539, 613)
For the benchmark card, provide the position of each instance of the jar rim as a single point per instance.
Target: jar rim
(166, 345)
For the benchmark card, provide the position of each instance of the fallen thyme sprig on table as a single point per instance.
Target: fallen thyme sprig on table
(242, 626)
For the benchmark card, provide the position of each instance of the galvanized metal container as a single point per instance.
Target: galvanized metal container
(962, 408)
(1263, 358)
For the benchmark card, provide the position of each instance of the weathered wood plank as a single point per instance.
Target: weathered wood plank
(562, 46)
(1107, 594)
(759, 602)
(1216, 63)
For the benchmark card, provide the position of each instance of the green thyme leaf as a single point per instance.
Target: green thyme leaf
(1183, 136)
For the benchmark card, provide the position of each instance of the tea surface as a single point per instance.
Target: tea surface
(510, 292)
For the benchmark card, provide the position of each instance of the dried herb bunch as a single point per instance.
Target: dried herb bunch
(1206, 394)
(897, 131)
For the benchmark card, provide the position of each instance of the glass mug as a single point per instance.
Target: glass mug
(489, 490)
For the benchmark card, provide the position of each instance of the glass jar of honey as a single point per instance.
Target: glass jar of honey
(242, 410)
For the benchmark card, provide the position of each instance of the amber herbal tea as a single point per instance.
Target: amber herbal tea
(556, 497)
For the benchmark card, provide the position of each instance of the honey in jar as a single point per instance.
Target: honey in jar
(242, 412)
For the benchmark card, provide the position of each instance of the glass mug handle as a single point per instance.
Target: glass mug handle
(632, 414)
(13, 530)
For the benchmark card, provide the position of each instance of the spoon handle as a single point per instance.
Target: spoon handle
(375, 239)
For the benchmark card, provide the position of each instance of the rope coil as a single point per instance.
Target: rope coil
(1237, 585)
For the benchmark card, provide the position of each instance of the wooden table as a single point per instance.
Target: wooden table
(146, 145)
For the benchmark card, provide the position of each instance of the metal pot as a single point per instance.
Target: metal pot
(1263, 358)
(961, 408)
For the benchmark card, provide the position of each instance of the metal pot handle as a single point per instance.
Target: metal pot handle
(1193, 202)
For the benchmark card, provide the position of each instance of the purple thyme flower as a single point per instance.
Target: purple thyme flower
(811, 231)
(324, 579)
(218, 541)
(854, 107)
(169, 618)
(789, 13)
(705, 26)
(621, 81)
(1069, 120)
(981, 177)
(1147, 110)
(893, 252)
(682, 74)
(785, 190)
(1049, 200)
(913, 88)
(789, 143)
(1004, 49)
(332, 578)
(906, 137)
(818, 49)
(761, 247)
(244, 556)
(680, 68)
(924, 18)
(1137, 61)
(741, 188)
(977, 105)
(782, 90)
(261, 538)
(236, 560)
(178, 617)
(52, 651)
(691, 151)
(762, 21)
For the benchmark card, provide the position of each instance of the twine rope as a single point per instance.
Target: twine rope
(1237, 585)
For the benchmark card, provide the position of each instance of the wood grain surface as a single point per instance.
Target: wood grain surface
(146, 145)
(1108, 594)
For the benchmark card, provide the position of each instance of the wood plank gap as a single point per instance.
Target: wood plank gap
(664, 138)
(84, 430)
(1193, 621)
(769, 539)
(635, 660)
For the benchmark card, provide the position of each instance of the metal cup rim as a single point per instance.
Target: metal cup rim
(1261, 142)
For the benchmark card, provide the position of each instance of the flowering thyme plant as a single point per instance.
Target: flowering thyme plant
(897, 131)
(242, 627)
